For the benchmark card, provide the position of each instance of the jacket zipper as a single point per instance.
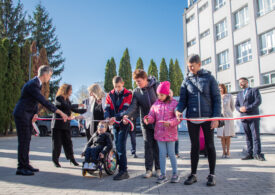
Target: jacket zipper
(199, 98)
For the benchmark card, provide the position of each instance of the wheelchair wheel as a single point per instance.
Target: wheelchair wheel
(110, 162)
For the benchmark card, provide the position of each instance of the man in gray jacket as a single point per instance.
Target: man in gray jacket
(200, 95)
(144, 96)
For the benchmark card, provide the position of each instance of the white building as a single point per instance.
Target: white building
(235, 38)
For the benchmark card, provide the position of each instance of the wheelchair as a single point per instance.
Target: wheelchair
(108, 163)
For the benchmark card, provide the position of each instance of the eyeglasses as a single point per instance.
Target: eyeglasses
(101, 126)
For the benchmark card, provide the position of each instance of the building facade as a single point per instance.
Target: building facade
(235, 38)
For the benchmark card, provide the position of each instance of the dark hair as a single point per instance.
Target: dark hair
(168, 98)
(194, 58)
(243, 78)
(117, 79)
(223, 87)
(139, 73)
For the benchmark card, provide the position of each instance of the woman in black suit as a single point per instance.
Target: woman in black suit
(61, 133)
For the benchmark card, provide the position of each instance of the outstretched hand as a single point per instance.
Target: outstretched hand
(34, 119)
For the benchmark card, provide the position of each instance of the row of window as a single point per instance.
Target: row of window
(244, 51)
(241, 17)
(267, 78)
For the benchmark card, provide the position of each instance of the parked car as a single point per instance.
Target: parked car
(45, 127)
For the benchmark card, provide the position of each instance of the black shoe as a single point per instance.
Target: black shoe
(56, 164)
(29, 167)
(135, 156)
(190, 180)
(24, 172)
(260, 157)
(74, 162)
(121, 176)
(248, 157)
(211, 180)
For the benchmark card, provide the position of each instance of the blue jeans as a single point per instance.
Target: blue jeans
(120, 135)
(252, 132)
(164, 148)
(92, 153)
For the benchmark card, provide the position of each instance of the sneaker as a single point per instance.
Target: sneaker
(92, 166)
(190, 180)
(158, 173)
(211, 180)
(86, 165)
(121, 176)
(248, 157)
(223, 156)
(148, 174)
(227, 156)
(161, 179)
(260, 157)
(175, 179)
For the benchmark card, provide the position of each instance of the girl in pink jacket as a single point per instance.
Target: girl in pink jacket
(162, 113)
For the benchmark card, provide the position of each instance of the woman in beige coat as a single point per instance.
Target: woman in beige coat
(227, 131)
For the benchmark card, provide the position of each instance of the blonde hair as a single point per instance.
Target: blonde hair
(97, 91)
(64, 90)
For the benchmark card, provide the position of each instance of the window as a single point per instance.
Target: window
(192, 42)
(244, 52)
(191, 2)
(190, 18)
(267, 42)
(269, 78)
(228, 87)
(223, 61)
(219, 4)
(206, 61)
(203, 7)
(241, 17)
(265, 6)
(221, 30)
(251, 82)
(205, 33)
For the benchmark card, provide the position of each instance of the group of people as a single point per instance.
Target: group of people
(160, 114)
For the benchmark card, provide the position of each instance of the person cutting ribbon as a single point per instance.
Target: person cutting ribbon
(25, 113)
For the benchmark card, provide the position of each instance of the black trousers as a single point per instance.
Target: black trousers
(24, 132)
(151, 149)
(62, 137)
(194, 133)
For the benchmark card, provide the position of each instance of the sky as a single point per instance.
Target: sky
(92, 31)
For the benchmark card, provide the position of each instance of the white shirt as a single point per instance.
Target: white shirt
(39, 81)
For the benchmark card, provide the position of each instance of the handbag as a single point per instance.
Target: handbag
(221, 122)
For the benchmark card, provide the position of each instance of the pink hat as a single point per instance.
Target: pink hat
(164, 88)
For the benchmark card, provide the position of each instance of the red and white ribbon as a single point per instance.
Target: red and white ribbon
(224, 118)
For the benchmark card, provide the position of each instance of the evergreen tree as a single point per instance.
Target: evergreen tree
(4, 59)
(153, 70)
(43, 32)
(139, 65)
(25, 60)
(107, 80)
(13, 24)
(172, 76)
(179, 78)
(163, 71)
(110, 72)
(125, 70)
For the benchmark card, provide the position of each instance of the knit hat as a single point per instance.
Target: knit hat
(164, 88)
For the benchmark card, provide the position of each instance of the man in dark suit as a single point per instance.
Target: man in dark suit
(25, 113)
(247, 103)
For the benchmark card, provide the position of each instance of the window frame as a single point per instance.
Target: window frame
(207, 60)
(246, 21)
(267, 50)
(265, 10)
(220, 5)
(241, 59)
(226, 65)
(221, 35)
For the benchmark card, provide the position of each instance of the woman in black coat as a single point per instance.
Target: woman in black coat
(61, 133)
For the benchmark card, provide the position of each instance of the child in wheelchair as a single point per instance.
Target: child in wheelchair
(99, 145)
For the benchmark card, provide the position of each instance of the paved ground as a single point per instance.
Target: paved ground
(233, 175)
